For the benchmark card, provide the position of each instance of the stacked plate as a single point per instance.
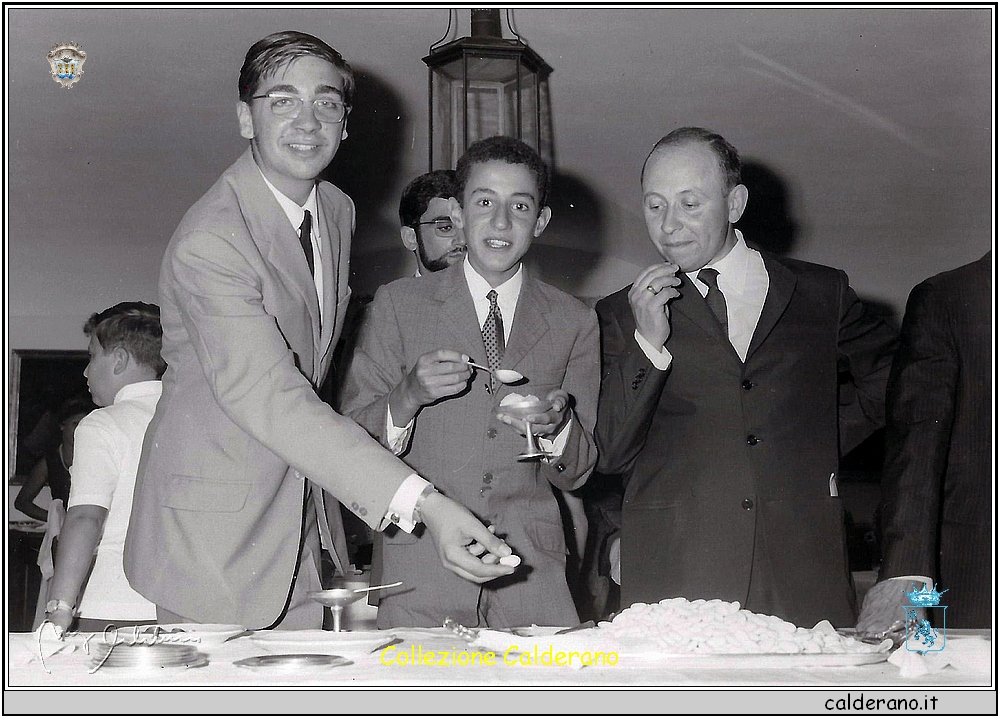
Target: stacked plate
(144, 656)
(293, 662)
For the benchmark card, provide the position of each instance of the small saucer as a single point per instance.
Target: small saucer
(293, 661)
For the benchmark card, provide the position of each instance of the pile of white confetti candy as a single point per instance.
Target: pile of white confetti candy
(677, 625)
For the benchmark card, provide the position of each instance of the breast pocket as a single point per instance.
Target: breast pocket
(194, 493)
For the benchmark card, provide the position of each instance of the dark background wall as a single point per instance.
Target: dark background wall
(867, 135)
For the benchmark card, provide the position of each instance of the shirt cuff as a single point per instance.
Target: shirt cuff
(920, 580)
(396, 438)
(403, 503)
(658, 357)
(556, 445)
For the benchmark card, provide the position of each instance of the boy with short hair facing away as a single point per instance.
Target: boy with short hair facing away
(123, 377)
(410, 386)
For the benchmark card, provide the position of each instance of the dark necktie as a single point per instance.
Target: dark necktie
(715, 298)
(305, 239)
(493, 336)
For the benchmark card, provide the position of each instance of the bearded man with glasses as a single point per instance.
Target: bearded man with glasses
(228, 506)
(426, 226)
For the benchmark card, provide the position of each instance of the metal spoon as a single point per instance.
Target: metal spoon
(504, 376)
(376, 588)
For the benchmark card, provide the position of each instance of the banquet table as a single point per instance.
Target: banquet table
(382, 665)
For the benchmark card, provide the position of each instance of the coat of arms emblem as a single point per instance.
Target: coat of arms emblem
(66, 60)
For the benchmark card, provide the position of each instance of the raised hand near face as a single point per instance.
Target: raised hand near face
(649, 296)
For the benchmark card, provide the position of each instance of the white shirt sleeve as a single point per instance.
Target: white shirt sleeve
(395, 437)
(556, 445)
(96, 459)
(659, 357)
(403, 503)
(918, 581)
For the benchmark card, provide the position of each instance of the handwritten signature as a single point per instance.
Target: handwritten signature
(114, 636)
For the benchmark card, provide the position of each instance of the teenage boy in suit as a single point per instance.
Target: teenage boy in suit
(410, 386)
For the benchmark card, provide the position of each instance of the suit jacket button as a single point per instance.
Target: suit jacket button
(560, 467)
(747, 504)
(491, 433)
(487, 477)
(747, 384)
(752, 440)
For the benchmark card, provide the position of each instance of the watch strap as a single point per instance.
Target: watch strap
(57, 604)
(417, 515)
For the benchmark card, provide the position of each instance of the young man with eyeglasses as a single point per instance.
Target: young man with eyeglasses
(426, 227)
(253, 291)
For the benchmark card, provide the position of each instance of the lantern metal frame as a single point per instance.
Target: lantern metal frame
(488, 48)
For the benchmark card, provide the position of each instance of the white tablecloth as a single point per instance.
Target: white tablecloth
(27, 669)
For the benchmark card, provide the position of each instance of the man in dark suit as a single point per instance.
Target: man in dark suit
(936, 482)
(720, 402)
(253, 289)
(409, 385)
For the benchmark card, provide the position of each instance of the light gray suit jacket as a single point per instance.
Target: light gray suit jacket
(460, 446)
(217, 516)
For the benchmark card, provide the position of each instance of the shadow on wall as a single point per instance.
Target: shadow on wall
(767, 222)
(571, 247)
(367, 168)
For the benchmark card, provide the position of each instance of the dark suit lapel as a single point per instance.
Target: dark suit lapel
(530, 324)
(693, 306)
(780, 287)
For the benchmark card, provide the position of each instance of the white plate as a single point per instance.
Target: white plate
(293, 662)
(582, 641)
(316, 641)
(762, 660)
(208, 634)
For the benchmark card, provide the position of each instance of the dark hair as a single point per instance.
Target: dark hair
(728, 157)
(419, 193)
(74, 406)
(134, 326)
(266, 56)
(505, 149)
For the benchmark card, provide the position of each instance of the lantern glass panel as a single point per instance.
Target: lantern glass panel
(485, 102)
(447, 108)
(529, 109)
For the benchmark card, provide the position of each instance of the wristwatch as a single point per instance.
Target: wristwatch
(57, 604)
